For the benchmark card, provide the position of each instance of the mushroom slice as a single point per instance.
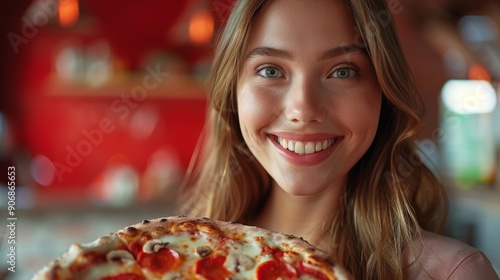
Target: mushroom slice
(153, 246)
(203, 251)
(238, 262)
(119, 256)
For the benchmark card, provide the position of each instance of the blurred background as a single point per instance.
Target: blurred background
(102, 103)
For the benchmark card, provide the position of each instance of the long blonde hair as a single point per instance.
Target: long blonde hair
(390, 192)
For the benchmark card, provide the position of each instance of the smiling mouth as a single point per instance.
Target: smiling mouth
(307, 147)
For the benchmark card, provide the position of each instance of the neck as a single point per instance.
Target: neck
(302, 216)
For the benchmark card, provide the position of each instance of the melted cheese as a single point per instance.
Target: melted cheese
(244, 253)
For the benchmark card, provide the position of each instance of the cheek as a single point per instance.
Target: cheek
(256, 108)
(367, 120)
(361, 115)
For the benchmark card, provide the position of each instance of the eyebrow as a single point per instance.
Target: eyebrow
(268, 51)
(333, 52)
(343, 49)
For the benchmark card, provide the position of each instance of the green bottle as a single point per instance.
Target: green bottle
(467, 137)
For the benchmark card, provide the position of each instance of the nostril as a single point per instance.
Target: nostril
(305, 108)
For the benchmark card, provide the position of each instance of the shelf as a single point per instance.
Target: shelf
(173, 86)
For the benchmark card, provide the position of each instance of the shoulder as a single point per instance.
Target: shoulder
(432, 256)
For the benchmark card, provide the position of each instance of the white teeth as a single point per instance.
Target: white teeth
(299, 148)
(318, 147)
(325, 144)
(307, 148)
(310, 148)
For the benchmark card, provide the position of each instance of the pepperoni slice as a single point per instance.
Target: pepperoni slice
(212, 268)
(274, 269)
(136, 247)
(125, 276)
(161, 261)
(275, 252)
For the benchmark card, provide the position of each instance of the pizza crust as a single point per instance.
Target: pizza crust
(157, 227)
(116, 247)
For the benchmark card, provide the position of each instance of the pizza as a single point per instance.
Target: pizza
(180, 247)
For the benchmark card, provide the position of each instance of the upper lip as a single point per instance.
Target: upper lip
(310, 137)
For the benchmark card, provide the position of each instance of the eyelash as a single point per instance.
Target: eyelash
(354, 71)
(267, 66)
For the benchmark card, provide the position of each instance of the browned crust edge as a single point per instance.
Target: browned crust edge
(315, 256)
(230, 229)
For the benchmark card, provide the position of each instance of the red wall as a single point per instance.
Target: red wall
(81, 130)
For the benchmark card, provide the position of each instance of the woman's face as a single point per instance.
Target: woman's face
(308, 98)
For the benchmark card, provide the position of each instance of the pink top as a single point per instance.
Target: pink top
(439, 257)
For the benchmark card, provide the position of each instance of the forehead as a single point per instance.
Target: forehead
(303, 25)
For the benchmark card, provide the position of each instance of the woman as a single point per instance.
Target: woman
(312, 113)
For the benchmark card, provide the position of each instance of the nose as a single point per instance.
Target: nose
(304, 103)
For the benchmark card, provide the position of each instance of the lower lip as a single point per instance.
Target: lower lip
(306, 159)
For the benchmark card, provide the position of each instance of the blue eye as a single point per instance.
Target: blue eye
(343, 73)
(270, 72)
